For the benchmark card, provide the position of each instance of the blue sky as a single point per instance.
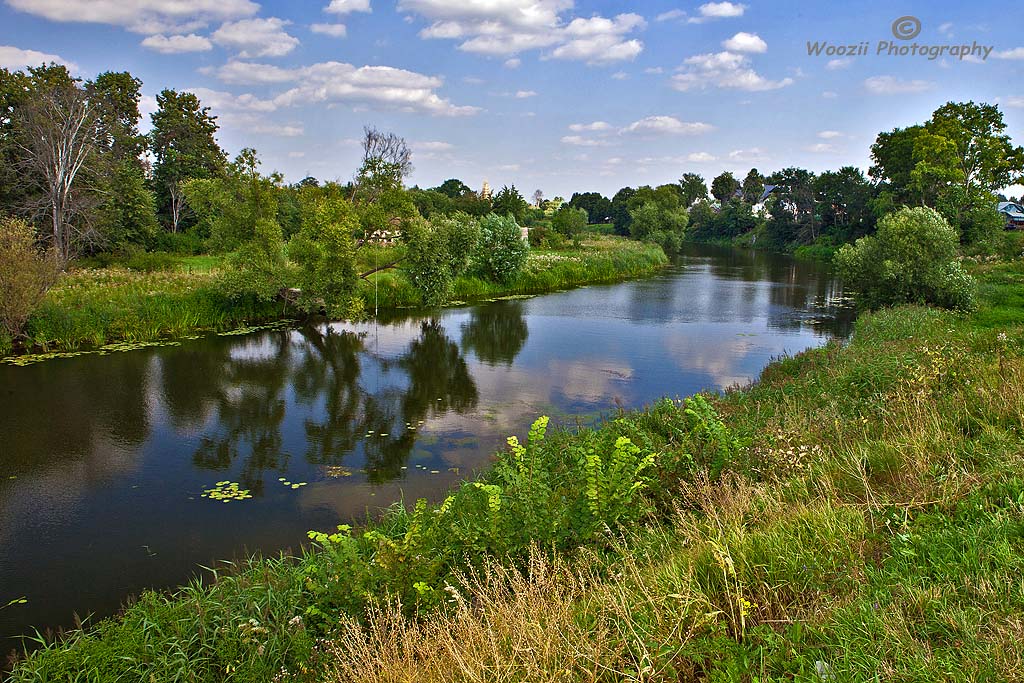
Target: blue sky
(555, 95)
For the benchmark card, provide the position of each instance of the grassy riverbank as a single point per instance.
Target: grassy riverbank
(95, 306)
(857, 515)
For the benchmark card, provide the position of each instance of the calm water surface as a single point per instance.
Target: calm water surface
(104, 459)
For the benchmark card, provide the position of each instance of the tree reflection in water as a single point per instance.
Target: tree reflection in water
(324, 369)
(496, 332)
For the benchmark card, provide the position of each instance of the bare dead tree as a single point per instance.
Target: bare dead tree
(178, 204)
(388, 148)
(57, 140)
(387, 160)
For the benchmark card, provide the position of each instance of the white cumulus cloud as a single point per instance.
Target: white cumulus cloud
(1015, 53)
(333, 30)
(580, 141)
(718, 10)
(15, 59)
(510, 27)
(263, 37)
(170, 45)
(141, 16)
(666, 125)
(723, 70)
(328, 82)
(348, 6)
(745, 42)
(595, 126)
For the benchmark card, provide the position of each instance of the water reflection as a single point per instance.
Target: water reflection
(496, 332)
(104, 458)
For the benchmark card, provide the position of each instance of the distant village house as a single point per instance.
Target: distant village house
(1014, 215)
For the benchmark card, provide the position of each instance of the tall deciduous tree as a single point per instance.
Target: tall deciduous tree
(127, 211)
(117, 97)
(845, 203)
(229, 207)
(597, 206)
(753, 187)
(508, 202)
(981, 150)
(693, 188)
(184, 146)
(724, 187)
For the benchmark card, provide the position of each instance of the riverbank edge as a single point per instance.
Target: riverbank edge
(856, 461)
(144, 313)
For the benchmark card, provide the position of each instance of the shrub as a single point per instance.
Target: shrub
(502, 252)
(912, 259)
(982, 224)
(257, 269)
(544, 237)
(569, 221)
(438, 252)
(183, 243)
(324, 250)
(26, 273)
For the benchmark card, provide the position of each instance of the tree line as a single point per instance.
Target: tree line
(955, 163)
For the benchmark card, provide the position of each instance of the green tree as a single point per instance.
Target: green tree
(693, 188)
(454, 188)
(724, 187)
(892, 157)
(982, 153)
(912, 259)
(324, 251)
(431, 203)
(229, 206)
(437, 253)
(501, 253)
(753, 187)
(127, 215)
(184, 148)
(597, 206)
(620, 210)
(258, 268)
(508, 202)
(127, 210)
(791, 209)
(569, 222)
(845, 204)
(117, 95)
(56, 150)
(387, 161)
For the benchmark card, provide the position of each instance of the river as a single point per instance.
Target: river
(104, 460)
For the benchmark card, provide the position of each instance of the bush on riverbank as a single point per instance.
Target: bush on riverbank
(92, 307)
(912, 259)
(855, 514)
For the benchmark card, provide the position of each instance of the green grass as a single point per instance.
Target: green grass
(600, 259)
(95, 307)
(166, 295)
(856, 515)
(204, 263)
